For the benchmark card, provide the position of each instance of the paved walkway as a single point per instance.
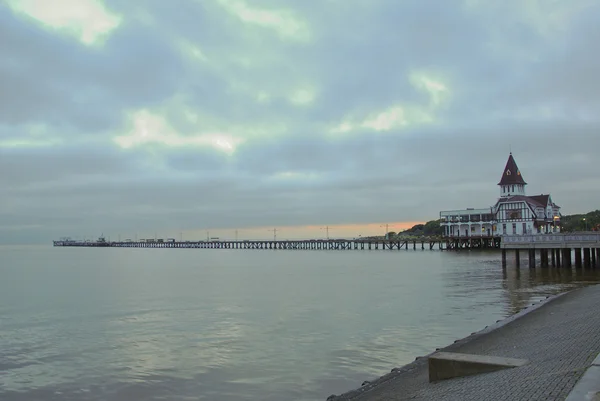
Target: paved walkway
(560, 339)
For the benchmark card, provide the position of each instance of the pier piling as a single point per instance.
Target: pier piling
(577, 258)
(544, 257)
(567, 258)
(532, 258)
(586, 258)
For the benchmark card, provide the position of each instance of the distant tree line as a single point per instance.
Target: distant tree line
(580, 222)
(430, 229)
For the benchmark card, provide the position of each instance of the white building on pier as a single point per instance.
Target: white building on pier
(514, 213)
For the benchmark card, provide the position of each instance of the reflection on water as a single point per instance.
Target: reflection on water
(525, 285)
(137, 324)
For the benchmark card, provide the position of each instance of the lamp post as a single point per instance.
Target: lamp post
(387, 227)
(585, 222)
(386, 230)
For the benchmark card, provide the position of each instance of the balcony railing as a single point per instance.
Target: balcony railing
(466, 221)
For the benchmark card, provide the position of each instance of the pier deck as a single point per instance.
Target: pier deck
(429, 243)
(559, 340)
(557, 250)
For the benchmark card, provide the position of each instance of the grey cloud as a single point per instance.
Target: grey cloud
(368, 55)
(533, 72)
(410, 176)
(571, 74)
(28, 167)
(57, 81)
(360, 60)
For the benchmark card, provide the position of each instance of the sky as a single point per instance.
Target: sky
(189, 118)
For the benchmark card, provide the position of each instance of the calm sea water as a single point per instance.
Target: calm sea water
(154, 324)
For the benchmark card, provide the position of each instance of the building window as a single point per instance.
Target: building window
(524, 228)
(503, 228)
(514, 228)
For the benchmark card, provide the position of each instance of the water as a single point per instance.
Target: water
(179, 324)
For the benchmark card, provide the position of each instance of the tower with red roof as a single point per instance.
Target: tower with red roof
(512, 182)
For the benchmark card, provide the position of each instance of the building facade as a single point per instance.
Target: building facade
(514, 213)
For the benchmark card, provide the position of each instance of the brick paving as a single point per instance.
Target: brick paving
(560, 339)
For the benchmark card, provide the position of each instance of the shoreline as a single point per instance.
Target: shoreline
(421, 361)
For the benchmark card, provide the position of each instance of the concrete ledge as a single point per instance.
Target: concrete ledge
(588, 387)
(446, 365)
(596, 361)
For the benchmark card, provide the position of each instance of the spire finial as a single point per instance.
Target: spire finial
(510, 149)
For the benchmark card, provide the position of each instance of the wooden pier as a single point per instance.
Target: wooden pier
(556, 250)
(439, 243)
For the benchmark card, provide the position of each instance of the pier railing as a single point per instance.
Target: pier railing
(570, 240)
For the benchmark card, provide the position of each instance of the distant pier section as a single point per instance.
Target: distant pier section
(426, 243)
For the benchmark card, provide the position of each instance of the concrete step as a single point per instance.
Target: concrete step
(447, 365)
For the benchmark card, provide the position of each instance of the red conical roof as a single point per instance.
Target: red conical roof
(511, 174)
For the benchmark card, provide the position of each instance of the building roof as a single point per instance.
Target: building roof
(511, 174)
(533, 201)
(541, 199)
(520, 198)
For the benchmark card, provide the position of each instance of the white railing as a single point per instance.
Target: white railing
(545, 238)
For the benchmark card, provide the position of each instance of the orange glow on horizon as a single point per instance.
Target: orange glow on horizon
(353, 230)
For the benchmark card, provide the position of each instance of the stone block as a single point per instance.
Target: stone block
(447, 365)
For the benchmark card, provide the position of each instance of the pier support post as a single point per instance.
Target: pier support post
(586, 258)
(594, 260)
(531, 258)
(567, 258)
(577, 258)
(558, 257)
(553, 257)
(544, 257)
(517, 258)
(504, 258)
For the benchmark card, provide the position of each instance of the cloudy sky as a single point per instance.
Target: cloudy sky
(150, 116)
